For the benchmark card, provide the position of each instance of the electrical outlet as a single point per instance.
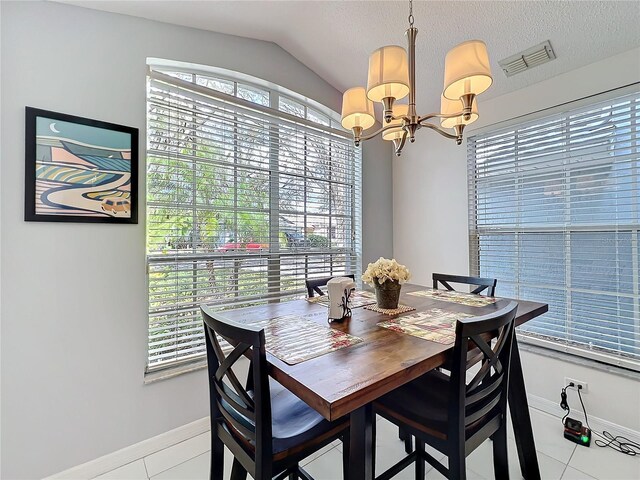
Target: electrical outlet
(585, 385)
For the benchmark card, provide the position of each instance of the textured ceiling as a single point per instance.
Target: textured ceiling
(334, 38)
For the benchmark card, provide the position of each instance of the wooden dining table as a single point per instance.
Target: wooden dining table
(348, 380)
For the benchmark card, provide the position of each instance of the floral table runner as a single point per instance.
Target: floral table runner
(469, 299)
(358, 298)
(294, 339)
(435, 325)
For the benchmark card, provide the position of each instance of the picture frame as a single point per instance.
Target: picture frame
(79, 170)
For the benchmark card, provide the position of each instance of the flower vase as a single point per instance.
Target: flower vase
(387, 293)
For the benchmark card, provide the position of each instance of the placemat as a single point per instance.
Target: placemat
(435, 325)
(390, 311)
(294, 339)
(469, 299)
(358, 298)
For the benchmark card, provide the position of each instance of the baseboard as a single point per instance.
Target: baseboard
(598, 424)
(147, 447)
(134, 452)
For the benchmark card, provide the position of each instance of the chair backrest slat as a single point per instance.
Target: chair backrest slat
(232, 398)
(445, 280)
(314, 284)
(483, 397)
(232, 421)
(474, 414)
(487, 388)
(225, 370)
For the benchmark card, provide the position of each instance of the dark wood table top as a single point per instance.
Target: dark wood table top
(337, 383)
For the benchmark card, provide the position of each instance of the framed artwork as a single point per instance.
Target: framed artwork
(79, 170)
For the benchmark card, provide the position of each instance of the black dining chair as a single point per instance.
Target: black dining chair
(445, 280)
(265, 426)
(314, 284)
(452, 415)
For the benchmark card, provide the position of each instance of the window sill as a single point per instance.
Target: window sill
(527, 345)
(166, 373)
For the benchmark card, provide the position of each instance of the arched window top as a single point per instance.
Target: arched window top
(250, 88)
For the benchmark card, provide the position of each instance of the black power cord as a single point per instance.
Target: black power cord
(563, 401)
(618, 443)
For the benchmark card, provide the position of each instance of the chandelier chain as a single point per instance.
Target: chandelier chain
(410, 13)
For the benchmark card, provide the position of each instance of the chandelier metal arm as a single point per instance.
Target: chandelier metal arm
(441, 115)
(439, 130)
(369, 136)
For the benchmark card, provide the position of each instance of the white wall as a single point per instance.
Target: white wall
(74, 299)
(430, 218)
(430, 207)
(377, 200)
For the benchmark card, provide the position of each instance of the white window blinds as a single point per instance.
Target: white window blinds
(554, 215)
(245, 200)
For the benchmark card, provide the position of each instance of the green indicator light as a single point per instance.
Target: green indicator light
(585, 439)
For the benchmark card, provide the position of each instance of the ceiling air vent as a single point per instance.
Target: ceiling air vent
(530, 58)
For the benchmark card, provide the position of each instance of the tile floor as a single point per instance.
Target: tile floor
(559, 459)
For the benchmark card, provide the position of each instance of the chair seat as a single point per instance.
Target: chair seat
(423, 403)
(293, 422)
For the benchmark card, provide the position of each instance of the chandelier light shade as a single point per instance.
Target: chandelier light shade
(357, 109)
(392, 76)
(448, 107)
(467, 70)
(396, 133)
(388, 74)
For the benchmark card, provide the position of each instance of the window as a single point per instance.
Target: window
(554, 215)
(248, 194)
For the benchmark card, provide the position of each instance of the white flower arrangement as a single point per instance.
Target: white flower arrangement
(384, 269)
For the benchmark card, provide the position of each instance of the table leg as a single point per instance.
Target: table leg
(521, 420)
(361, 444)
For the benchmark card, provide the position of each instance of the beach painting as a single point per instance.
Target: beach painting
(79, 170)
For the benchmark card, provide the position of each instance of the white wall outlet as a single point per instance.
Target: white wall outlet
(585, 385)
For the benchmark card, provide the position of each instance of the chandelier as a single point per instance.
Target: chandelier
(392, 77)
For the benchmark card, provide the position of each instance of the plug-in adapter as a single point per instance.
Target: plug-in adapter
(576, 432)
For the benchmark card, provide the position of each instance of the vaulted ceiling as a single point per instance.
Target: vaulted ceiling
(334, 38)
